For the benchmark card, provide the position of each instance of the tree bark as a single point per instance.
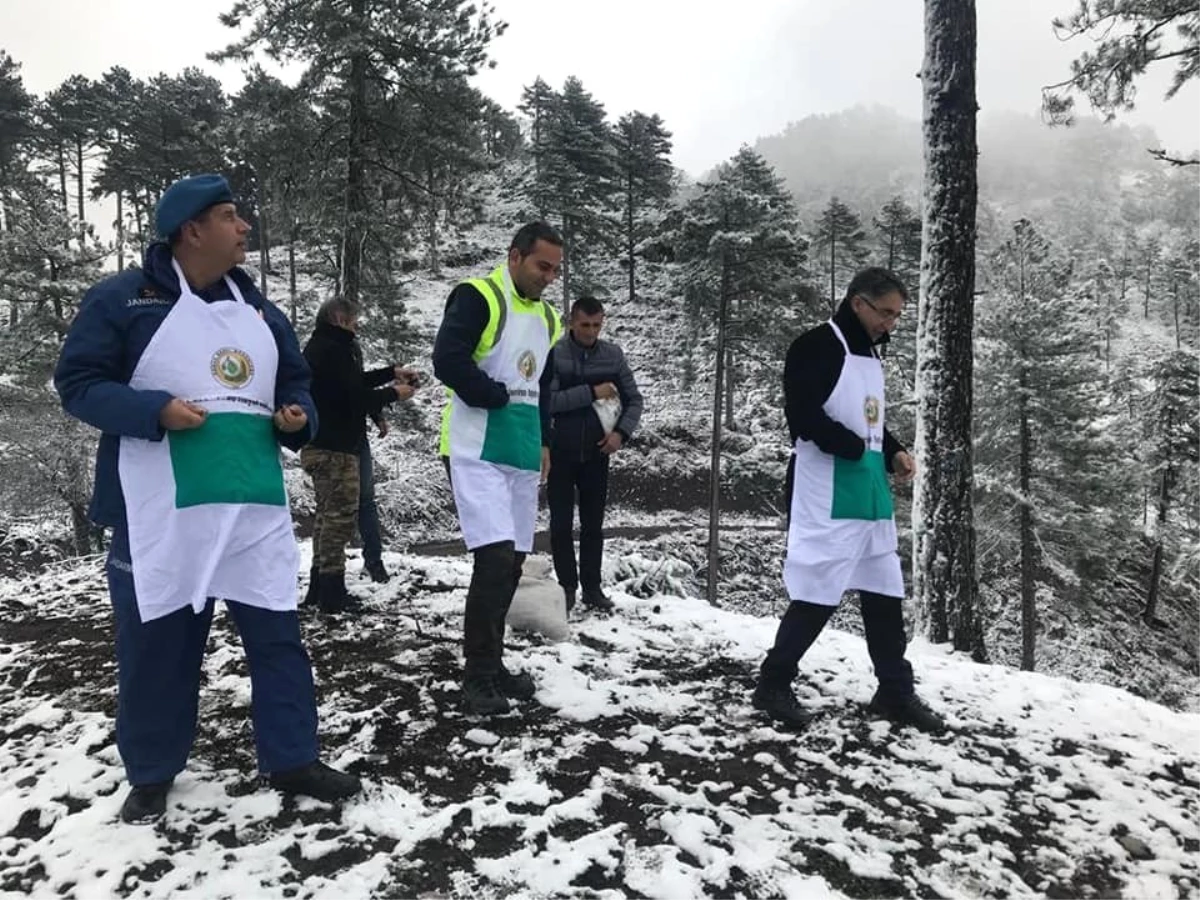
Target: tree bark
(944, 577)
(714, 485)
(264, 241)
(354, 228)
(1028, 586)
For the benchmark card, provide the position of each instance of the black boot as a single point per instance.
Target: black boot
(597, 599)
(146, 803)
(332, 596)
(309, 601)
(316, 780)
(907, 710)
(569, 595)
(778, 702)
(515, 685)
(481, 695)
(378, 572)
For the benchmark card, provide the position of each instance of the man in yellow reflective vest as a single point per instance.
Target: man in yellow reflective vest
(491, 352)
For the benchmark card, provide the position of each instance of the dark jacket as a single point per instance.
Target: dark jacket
(813, 366)
(116, 321)
(345, 395)
(462, 326)
(577, 429)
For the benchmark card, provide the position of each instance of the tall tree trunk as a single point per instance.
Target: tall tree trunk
(62, 181)
(1160, 524)
(264, 241)
(354, 228)
(431, 225)
(630, 238)
(1175, 309)
(292, 275)
(944, 577)
(79, 186)
(568, 253)
(832, 270)
(1025, 469)
(730, 378)
(120, 233)
(714, 481)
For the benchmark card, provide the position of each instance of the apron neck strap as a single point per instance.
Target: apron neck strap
(185, 288)
(837, 332)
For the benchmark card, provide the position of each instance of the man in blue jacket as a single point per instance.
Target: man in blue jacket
(195, 381)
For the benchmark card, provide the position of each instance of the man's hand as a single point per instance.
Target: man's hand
(611, 443)
(403, 390)
(604, 390)
(904, 467)
(290, 419)
(406, 376)
(179, 415)
(382, 425)
(545, 464)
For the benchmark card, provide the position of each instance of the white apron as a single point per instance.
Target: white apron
(842, 533)
(496, 454)
(206, 508)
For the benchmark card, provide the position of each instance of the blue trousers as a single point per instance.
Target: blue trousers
(368, 513)
(158, 680)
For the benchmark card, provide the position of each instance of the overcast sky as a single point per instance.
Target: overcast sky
(717, 80)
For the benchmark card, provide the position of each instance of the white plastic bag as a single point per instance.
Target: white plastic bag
(539, 604)
(609, 411)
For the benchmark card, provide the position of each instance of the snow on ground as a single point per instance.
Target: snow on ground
(641, 770)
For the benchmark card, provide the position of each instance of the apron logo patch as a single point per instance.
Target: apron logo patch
(526, 364)
(871, 411)
(232, 367)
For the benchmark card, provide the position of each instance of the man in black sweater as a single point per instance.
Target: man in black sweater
(841, 528)
(345, 397)
(586, 370)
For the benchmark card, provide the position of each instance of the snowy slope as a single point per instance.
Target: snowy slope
(641, 771)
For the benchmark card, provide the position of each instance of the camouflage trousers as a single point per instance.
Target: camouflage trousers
(335, 482)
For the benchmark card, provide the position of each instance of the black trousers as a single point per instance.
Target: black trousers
(883, 622)
(494, 580)
(569, 476)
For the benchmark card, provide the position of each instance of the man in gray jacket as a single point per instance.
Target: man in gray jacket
(586, 370)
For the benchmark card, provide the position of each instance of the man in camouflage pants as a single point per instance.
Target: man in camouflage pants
(346, 397)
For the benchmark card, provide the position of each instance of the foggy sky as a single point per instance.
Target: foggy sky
(718, 80)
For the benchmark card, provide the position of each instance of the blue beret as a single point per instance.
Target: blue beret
(187, 198)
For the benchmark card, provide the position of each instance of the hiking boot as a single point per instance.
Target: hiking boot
(378, 572)
(910, 710)
(570, 597)
(332, 596)
(309, 600)
(316, 780)
(481, 696)
(596, 599)
(779, 703)
(515, 685)
(146, 803)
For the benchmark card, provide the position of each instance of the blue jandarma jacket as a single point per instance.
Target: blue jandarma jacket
(116, 321)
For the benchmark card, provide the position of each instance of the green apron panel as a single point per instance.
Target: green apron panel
(514, 437)
(860, 488)
(231, 458)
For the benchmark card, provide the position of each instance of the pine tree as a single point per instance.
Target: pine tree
(899, 230)
(739, 242)
(646, 179)
(72, 115)
(360, 54)
(1048, 463)
(1171, 436)
(539, 103)
(944, 576)
(581, 177)
(838, 245)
